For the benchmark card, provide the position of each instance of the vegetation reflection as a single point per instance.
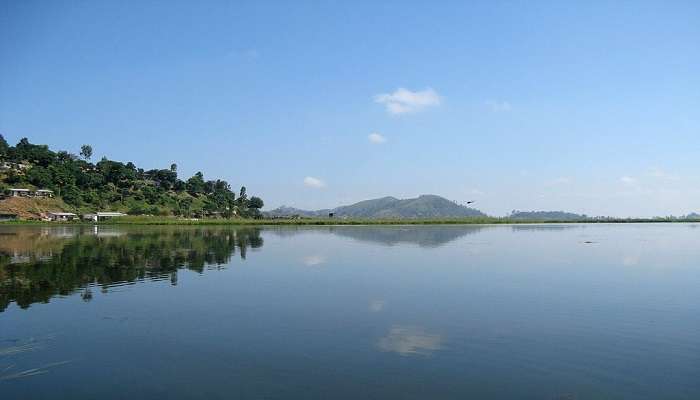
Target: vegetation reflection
(38, 264)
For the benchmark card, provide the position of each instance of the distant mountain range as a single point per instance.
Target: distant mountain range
(425, 206)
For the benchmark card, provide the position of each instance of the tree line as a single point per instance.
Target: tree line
(109, 184)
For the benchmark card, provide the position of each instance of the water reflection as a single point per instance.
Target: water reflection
(421, 235)
(376, 306)
(545, 227)
(314, 260)
(39, 263)
(533, 314)
(410, 340)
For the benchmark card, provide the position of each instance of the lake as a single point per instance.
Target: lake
(355, 312)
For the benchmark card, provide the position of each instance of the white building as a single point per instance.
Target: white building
(19, 192)
(62, 216)
(43, 193)
(102, 215)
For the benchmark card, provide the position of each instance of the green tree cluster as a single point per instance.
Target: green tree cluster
(110, 184)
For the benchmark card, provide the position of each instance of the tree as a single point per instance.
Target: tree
(137, 209)
(209, 187)
(195, 184)
(71, 195)
(256, 202)
(39, 176)
(179, 186)
(13, 177)
(4, 147)
(253, 208)
(86, 151)
(151, 194)
(242, 201)
(38, 154)
(173, 167)
(64, 157)
(184, 206)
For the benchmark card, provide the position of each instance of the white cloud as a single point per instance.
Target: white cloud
(498, 106)
(628, 180)
(312, 182)
(404, 101)
(376, 138)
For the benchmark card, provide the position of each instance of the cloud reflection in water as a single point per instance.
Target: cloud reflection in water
(410, 340)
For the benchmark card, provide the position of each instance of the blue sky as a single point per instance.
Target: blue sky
(591, 107)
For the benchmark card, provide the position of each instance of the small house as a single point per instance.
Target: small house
(102, 215)
(62, 216)
(19, 192)
(213, 214)
(43, 193)
(7, 216)
(90, 217)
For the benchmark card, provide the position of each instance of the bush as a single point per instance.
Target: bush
(137, 209)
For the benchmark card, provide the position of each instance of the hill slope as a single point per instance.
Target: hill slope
(32, 208)
(425, 206)
(285, 211)
(83, 186)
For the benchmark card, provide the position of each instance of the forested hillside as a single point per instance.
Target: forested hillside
(113, 185)
(424, 206)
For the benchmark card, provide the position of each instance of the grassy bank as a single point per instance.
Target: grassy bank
(140, 220)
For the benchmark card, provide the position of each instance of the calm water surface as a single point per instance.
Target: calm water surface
(426, 312)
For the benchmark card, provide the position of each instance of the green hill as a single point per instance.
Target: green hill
(82, 186)
(425, 206)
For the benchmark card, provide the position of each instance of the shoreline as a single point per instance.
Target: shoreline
(338, 221)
